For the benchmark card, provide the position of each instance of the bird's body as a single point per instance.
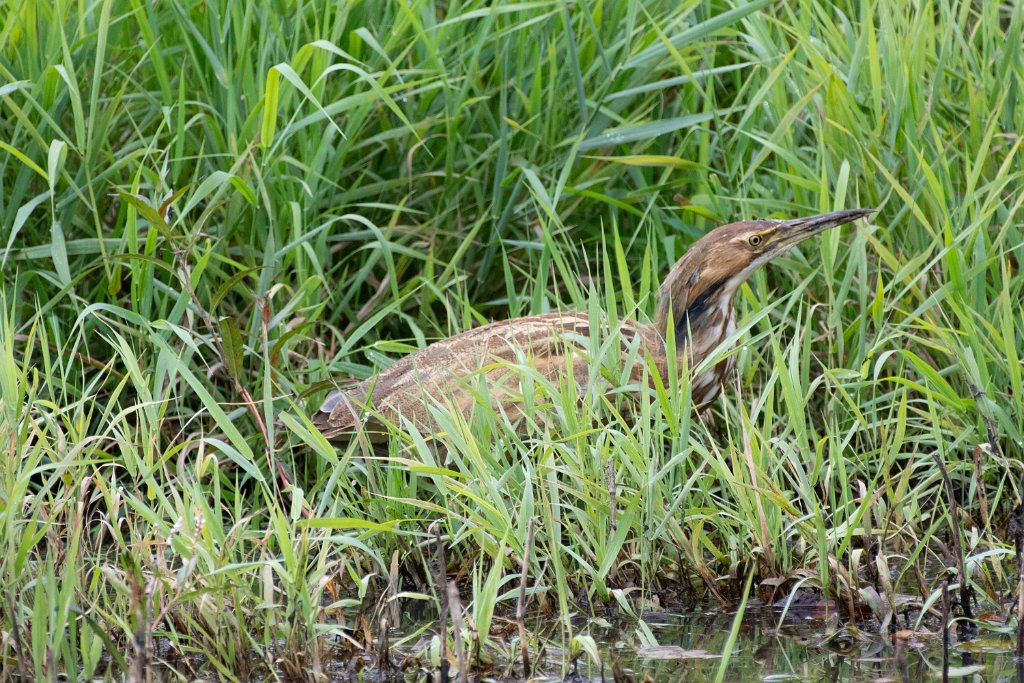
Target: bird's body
(696, 300)
(454, 371)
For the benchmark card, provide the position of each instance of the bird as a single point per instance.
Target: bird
(694, 302)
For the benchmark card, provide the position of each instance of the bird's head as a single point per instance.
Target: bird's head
(707, 277)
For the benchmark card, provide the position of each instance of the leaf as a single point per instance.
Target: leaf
(673, 652)
(13, 87)
(146, 210)
(229, 284)
(234, 348)
(960, 671)
(587, 644)
(59, 253)
(243, 189)
(656, 160)
(270, 99)
(19, 220)
(166, 204)
(25, 160)
(238, 450)
(658, 50)
(55, 160)
(88, 245)
(652, 129)
(677, 81)
(213, 186)
(347, 523)
(494, 9)
(285, 70)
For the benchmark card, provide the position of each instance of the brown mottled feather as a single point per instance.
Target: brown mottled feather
(695, 307)
(444, 372)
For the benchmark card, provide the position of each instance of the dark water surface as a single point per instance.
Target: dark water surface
(808, 647)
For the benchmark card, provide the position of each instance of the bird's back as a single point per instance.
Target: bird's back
(452, 371)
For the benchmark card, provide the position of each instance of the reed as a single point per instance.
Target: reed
(332, 185)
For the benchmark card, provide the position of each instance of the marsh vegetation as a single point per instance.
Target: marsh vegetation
(212, 212)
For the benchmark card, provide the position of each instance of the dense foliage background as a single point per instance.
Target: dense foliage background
(211, 209)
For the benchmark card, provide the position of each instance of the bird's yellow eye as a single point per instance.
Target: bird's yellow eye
(754, 240)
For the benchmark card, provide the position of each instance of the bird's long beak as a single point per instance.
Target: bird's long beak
(799, 229)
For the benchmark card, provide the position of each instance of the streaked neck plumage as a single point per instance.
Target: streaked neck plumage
(700, 314)
(695, 301)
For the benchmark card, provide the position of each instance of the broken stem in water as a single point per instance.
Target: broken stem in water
(965, 628)
(439, 570)
(455, 607)
(521, 602)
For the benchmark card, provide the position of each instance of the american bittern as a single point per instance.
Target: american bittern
(695, 301)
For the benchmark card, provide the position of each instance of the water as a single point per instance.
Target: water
(809, 644)
(803, 647)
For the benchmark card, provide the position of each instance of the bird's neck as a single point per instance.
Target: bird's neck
(706, 319)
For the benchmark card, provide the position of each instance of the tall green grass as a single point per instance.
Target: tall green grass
(331, 186)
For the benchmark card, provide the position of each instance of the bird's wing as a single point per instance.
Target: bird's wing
(444, 372)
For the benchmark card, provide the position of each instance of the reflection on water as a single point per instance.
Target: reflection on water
(808, 645)
(803, 647)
